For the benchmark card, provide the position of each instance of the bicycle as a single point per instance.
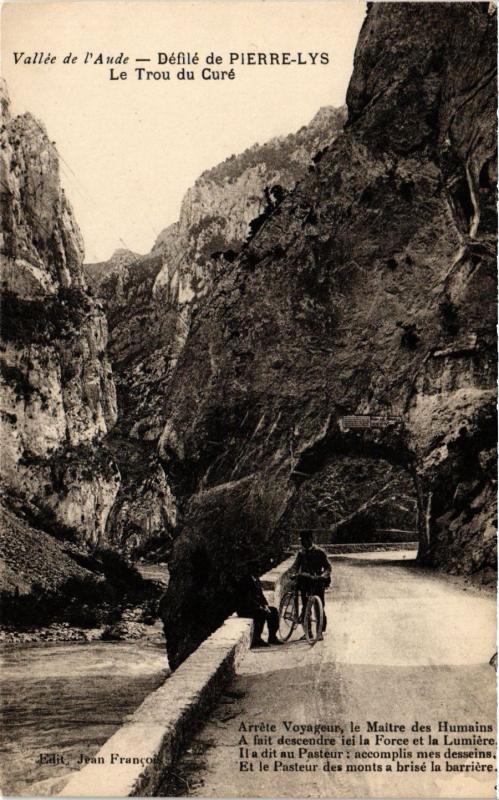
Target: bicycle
(311, 617)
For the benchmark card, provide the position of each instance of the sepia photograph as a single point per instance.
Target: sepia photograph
(248, 451)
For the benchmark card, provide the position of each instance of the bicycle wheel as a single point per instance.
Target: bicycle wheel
(288, 617)
(313, 619)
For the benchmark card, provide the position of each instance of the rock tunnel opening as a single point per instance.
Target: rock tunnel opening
(358, 487)
(356, 499)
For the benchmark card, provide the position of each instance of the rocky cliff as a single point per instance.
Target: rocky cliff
(150, 302)
(217, 212)
(367, 294)
(58, 395)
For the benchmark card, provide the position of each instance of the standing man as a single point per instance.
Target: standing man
(312, 571)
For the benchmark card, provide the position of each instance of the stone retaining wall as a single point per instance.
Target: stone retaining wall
(134, 760)
(273, 579)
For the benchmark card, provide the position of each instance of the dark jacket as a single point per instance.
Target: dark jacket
(249, 596)
(313, 561)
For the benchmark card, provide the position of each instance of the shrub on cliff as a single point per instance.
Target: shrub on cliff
(41, 320)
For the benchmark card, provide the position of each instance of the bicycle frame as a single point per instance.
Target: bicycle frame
(291, 615)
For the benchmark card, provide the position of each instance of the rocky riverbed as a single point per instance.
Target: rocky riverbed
(135, 622)
(129, 627)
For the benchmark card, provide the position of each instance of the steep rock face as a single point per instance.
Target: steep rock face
(58, 394)
(145, 336)
(217, 211)
(150, 299)
(144, 513)
(150, 302)
(369, 291)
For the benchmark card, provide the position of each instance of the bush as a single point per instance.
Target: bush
(410, 337)
(150, 611)
(118, 572)
(41, 321)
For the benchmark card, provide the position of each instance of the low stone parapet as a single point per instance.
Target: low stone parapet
(272, 581)
(134, 760)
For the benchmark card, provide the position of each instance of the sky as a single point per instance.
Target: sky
(131, 148)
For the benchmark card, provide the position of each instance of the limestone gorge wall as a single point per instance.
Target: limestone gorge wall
(370, 289)
(58, 395)
(150, 302)
(217, 211)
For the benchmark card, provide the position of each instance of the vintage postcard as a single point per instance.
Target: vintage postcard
(249, 386)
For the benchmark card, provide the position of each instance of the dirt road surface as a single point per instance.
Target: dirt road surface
(404, 646)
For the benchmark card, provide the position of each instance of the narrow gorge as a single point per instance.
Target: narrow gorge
(152, 300)
(311, 344)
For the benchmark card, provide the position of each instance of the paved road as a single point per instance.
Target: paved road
(403, 646)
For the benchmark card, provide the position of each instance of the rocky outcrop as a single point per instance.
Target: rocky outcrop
(58, 394)
(144, 514)
(217, 212)
(151, 300)
(368, 291)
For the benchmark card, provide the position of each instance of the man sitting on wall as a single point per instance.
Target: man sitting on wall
(251, 602)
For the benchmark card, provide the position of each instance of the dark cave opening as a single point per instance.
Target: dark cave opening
(462, 202)
(356, 499)
(357, 487)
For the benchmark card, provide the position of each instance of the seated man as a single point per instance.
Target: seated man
(312, 571)
(251, 602)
